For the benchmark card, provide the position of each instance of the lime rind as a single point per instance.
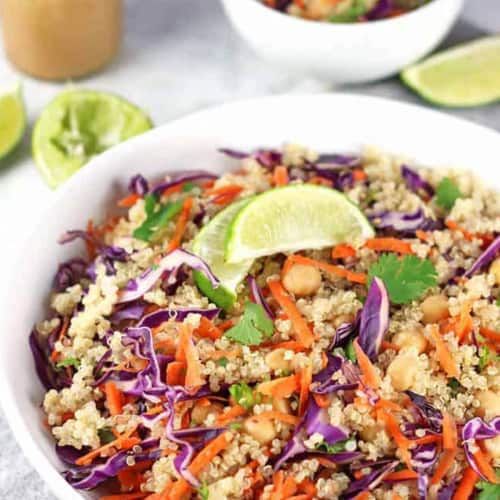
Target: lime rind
(293, 218)
(79, 124)
(209, 245)
(12, 119)
(464, 76)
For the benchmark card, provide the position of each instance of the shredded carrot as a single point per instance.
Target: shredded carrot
(343, 252)
(278, 480)
(395, 496)
(64, 329)
(463, 326)
(466, 485)
(277, 415)
(182, 221)
(320, 181)
(176, 372)
(289, 487)
(453, 226)
(176, 188)
(128, 201)
(483, 462)
(389, 245)
(389, 345)
(359, 175)
(125, 496)
(444, 465)
(364, 495)
(289, 345)
(490, 334)
(280, 176)
(387, 405)
(300, 497)
(305, 383)
(300, 326)
(224, 354)
(402, 442)
(431, 438)
(322, 400)
(114, 398)
(235, 412)
(329, 268)
(402, 475)
(443, 354)
(370, 375)
(208, 330)
(89, 245)
(450, 438)
(180, 488)
(421, 235)
(193, 367)
(308, 487)
(282, 387)
(224, 194)
(226, 325)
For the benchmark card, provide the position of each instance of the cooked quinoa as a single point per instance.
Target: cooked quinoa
(152, 389)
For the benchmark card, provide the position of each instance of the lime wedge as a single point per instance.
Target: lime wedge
(466, 75)
(78, 125)
(292, 218)
(209, 245)
(12, 119)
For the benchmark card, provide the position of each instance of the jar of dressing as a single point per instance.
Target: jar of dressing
(61, 39)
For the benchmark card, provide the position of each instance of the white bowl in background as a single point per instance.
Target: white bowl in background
(342, 52)
(327, 123)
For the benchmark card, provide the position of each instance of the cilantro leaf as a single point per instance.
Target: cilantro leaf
(489, 491)
(252, 327)
(447, 193)
(454, 385)
(203, 491)
(106, 435)
(156, 218)
(485, 357)
(242, 395)
(352, 13)
(350, 352)
(406, 279)
(223, 362)
(333, 448)
(68, 362)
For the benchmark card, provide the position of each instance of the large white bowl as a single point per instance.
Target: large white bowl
(342, 53)
(325, 122)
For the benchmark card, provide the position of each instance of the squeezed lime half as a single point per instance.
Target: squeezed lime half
(12, 119)
(293, 218)
(465, 75)
(209, 245)
(78, 125)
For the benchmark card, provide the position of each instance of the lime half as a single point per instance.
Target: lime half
(78, 125)
(12, 119)
(209, 245)
(295, 218)
(466, 75)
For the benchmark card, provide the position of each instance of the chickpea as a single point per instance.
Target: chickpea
(411, 338)
(302, 280)
(495, 270)
(276, 360)
(403, 370)
(435, 309)
(262, 431)
(493, 446)
(282, 405)
(489, 404)
(200, 412)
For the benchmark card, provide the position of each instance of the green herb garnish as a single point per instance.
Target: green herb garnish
(350, 352)
(157, 218)
(406, 279)
(68, 362)
(242, 395)
(235, 426)
(352, 13)
(489, 491)
(106, 435)
(333, 448)
(203, 491)
(454, 385)
(485, 357)
(223, 362)
(498, 301)
(252, 327)
(447, 193)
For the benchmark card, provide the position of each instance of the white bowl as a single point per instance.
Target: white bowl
(342, 53)
(325, 122)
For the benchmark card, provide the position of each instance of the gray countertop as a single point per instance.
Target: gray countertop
(180, 56)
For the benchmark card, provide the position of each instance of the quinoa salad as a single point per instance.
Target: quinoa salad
(364, 369)
(345, 11)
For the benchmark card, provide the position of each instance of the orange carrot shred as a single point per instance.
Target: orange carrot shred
(208, 330)
(402, 442)
(176, 372)
(444, 465)
(300, 326)
(128, 201)
(421, 235)
(370, 375)
(443, 354)
(343, 252)
(466, 485)
(64, 329)
(389, 245)
(280, 176)
(490, 334)
(450, 438)
(305, 383)
(402, 475)
(482, 460)
(359, 175)
(181, 225)
(322, 400)
(235, 412)
(125, 496)
(282, 387)
(114, 398)
(193, 367)
(277, 415)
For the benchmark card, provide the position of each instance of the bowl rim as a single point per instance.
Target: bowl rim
(345, 26)
(20, 430)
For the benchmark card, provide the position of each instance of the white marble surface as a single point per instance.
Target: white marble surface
(179, 56)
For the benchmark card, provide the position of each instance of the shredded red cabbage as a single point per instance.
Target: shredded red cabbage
(485, 258)
(414, 182)
(257, 296)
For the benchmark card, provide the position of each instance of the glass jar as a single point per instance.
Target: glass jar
(60, 39)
